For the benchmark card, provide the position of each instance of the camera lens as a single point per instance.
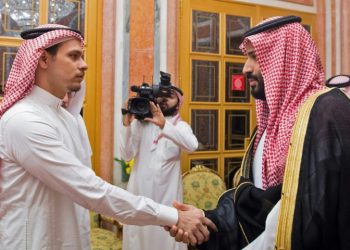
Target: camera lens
(140, 107)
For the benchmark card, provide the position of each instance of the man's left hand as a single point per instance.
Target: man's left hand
(157, 115)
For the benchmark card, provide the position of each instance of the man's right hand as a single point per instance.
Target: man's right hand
(190, 228)
(182, 236)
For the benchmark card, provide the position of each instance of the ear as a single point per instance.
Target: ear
(44, 60)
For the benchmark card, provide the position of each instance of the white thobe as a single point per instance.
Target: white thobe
(156, 174)
(44, 186)
(74, 107)
(266, 240)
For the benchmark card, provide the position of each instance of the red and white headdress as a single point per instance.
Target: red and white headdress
(22, 75)
(291, 68)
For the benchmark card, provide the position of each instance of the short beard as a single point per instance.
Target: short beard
(169, 111)
(74, 88)
(260, 92)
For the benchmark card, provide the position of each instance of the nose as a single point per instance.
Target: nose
(247, 68)
(83, 65)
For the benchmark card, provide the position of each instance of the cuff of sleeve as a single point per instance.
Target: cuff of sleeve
(167, 216)
(167, 128)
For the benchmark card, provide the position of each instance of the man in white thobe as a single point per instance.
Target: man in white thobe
(45, 187)
(156, 144)
(73, 102)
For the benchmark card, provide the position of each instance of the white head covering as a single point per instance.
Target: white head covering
(340, 81)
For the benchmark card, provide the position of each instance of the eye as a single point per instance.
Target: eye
(73, 56)
(252, 55)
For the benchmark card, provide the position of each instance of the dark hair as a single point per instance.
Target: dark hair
(53, 49)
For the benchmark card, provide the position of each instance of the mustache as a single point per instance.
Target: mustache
(250, 76)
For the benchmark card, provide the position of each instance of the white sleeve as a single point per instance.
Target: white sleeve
(129, 140)
(181, 134)
(36, 146)
(266, 240)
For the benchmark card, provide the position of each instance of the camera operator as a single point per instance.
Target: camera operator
(155, 143)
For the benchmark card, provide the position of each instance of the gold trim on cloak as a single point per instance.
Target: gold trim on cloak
(291, 174)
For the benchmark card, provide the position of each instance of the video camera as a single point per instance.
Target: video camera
(139, 105)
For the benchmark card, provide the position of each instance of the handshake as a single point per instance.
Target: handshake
(192, 226)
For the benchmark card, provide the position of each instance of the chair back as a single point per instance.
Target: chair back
(106, 233)
(202, 187)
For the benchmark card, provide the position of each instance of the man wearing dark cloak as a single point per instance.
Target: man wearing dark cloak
(301, 142)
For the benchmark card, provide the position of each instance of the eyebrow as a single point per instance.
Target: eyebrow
(76, 51)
